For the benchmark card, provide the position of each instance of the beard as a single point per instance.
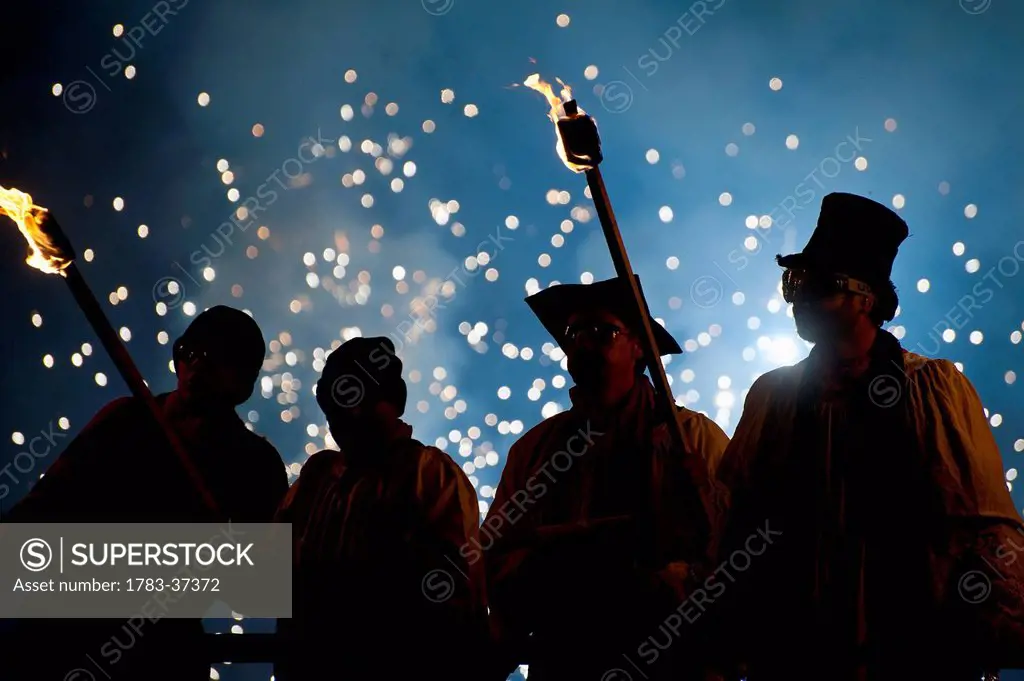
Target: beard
(587, 370)
(205, 394)
(808, 328)
(815, 327)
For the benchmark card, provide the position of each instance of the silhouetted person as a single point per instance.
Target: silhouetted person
(382, 590)
(876, 474)
(121, 469)
(575, 601)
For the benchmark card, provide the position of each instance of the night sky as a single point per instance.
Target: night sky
(398, 149)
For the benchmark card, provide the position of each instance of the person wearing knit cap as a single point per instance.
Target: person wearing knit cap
(600, 523)
(219, 358)
(120, 469)
(382, 585)
(875, 473)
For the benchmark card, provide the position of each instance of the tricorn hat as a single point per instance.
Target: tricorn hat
(556, 304)
(854, 236)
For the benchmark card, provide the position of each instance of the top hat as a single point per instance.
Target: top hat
(855, 236)
(556, 304)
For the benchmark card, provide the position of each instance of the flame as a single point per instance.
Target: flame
(557, 112)
(46, 256)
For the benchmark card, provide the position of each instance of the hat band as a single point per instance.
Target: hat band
(794, 281)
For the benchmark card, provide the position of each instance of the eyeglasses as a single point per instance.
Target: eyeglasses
(195, 354)
(602, 332)
(804, 284)
(216, 356)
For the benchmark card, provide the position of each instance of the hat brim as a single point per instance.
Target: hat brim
(554, 307)
(796, 261)
(808, 262)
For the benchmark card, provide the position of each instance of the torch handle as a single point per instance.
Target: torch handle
(130, 373)
(695, 465)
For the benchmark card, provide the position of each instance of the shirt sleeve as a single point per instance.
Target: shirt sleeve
(687, 547)
(79, 473)
(733, 466)
(965, 464)
(272, 484)
(454, 580)
(711, 442)
(299, 500)
(733, 473)
(979, 572)
(508, 575)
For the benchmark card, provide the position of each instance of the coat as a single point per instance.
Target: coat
(120, 469)
(951, 570)
(381, 587)
(560, 601)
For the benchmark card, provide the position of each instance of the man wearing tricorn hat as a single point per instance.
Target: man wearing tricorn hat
(876, 472)
(597, 522)
(381, 588)
(121, 469)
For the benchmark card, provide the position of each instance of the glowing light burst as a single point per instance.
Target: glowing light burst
(384, 289)
(783, 350)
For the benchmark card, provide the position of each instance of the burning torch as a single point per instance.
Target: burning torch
(52, 253)
(579, 147)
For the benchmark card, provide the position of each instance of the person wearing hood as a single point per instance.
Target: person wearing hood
(599, 524)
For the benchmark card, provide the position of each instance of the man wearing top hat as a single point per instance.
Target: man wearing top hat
(597, 525)
(877, 471)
